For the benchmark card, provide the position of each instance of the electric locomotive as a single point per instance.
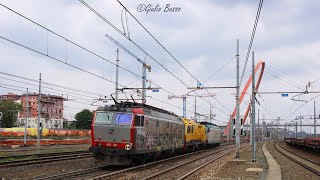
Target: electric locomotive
(213, 133)
(131, 133)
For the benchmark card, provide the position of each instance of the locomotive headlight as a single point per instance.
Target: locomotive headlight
(128, 146)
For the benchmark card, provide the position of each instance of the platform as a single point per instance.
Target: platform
(274, 171)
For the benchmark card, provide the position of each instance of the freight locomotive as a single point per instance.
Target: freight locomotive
(132, 133)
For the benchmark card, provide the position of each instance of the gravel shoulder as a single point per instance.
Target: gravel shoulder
(32, 171)
(226, 169)
(289, 169)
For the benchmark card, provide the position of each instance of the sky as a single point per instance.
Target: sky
(201, 37)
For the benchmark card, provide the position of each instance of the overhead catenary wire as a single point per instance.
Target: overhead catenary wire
(251, 40)
(288, 82)
(56, 59)
(301, 106)
(145, 52)
(269, 67)
(155, 40)
(219, 69)
(76, 44)
(165, 50)
(64, 91)
(46, 91)
(51, 84)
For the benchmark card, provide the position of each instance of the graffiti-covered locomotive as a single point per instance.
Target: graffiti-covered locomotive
(127, 133)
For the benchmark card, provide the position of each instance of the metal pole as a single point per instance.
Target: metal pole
(26, 123)
(144, 74)
(296, 129)
(39, 116)
(300, 126)
(285, 131)
(195, 108)
(263, 128)
(250, 114)
(237, 108)
(253, 112)
(210, 113)
(117, 75)
(259, 131)
(184, 107)
(314, 116)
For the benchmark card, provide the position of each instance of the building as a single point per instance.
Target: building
(51, 111)
(12, 96)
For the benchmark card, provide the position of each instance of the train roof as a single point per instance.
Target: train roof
(121, 106)
(207, 123)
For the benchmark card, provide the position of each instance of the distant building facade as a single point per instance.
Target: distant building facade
(51, 110)
(12, 96)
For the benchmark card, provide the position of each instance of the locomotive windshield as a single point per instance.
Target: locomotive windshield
(104, 117)
(123, 119)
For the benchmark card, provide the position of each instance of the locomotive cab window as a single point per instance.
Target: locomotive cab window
(104, 117)
(139, 121)
(123, 119)
(188, 130)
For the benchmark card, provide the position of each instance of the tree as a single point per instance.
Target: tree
(9, 110)
(84, 119)
(72, 126)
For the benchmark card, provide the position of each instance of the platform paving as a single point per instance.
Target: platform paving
(274, 171)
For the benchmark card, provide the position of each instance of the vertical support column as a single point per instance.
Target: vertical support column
(184, 106)
(263, 129)
(195, 108)
(259, 131)
(285, 131)
(250, 114)
(144, 75)
(117, 75)
(39, 116)
(26, 122)
(296, 129)
(237, 108)
(300, 126)
(210, 116)
(315, 122)
(253, 112)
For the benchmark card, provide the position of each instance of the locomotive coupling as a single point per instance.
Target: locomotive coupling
(128, 146)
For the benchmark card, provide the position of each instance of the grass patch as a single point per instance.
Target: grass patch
(11, 159)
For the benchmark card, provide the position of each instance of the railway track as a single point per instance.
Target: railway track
(301, 160)
(303, 157)
(90, 172)
(104, 172)
(156, 169)
(189, 165)
(43, 158)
